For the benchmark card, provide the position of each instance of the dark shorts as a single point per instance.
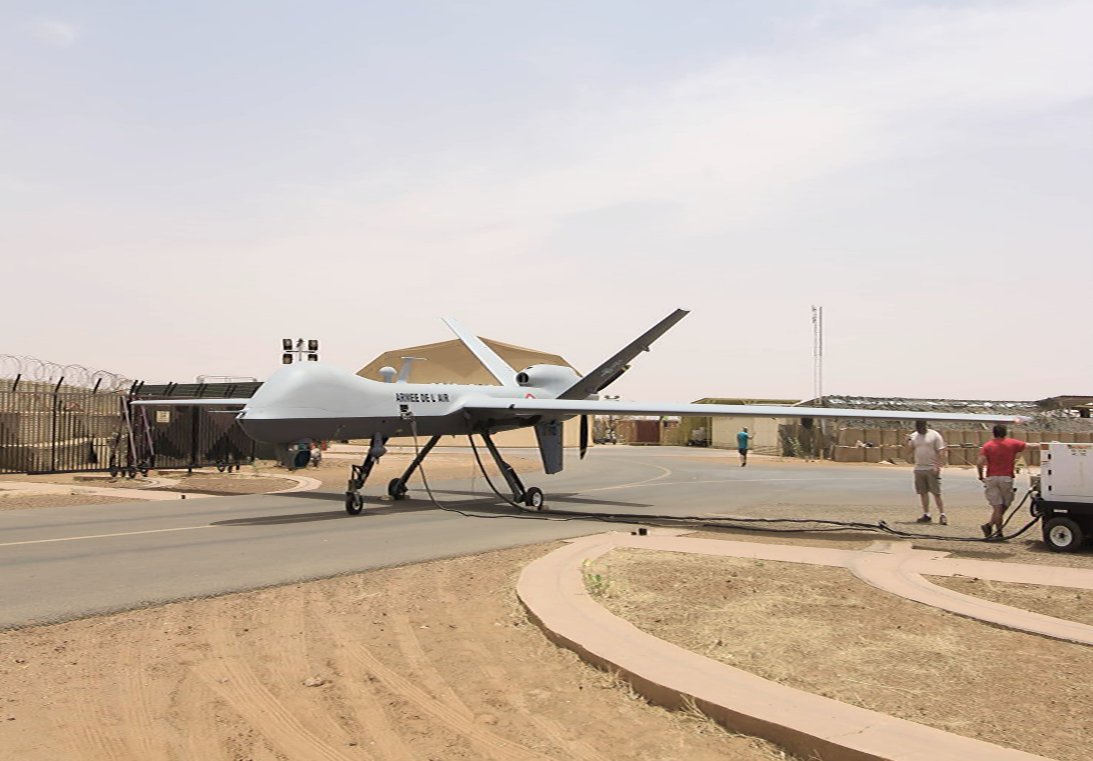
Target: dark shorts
(928, 482)
(742, 450)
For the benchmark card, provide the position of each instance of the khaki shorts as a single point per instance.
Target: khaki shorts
(928, 482)
(999, 490)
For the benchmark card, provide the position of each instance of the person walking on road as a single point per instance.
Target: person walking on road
(743, 438)
(927, 448)
(998, 456)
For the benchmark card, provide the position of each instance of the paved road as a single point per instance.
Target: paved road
(67, 562)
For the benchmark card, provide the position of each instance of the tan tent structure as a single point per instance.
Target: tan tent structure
(452, 362)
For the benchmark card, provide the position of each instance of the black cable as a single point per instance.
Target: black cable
(820, 525)
(439, 506)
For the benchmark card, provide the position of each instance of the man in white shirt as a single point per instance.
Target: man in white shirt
(927, 448)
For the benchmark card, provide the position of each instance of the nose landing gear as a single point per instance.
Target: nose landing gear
(354, 500)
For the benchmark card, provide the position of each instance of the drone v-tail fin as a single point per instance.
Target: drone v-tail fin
(607, 373)
(498, 368)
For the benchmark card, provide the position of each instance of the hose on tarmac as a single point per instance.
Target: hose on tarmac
(780, 525)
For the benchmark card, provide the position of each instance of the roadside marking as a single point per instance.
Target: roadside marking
(666, 472)
(103, 536)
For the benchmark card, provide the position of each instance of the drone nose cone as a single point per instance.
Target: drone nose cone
(304, 390)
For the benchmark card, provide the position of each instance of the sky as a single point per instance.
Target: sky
(184, 184)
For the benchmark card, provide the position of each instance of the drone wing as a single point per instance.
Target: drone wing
(564, 407)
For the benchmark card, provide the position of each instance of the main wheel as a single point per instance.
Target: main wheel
(396, 489)
(354, 503)
(1063, 535)
(533, 497)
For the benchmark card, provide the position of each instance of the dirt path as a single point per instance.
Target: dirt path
(432, 661)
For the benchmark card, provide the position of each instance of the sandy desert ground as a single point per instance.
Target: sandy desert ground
(439, 661)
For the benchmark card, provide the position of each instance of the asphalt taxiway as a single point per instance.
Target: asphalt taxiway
(69, 562)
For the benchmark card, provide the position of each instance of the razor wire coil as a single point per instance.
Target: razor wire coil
(33, 369)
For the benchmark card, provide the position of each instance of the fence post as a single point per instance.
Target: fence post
(194, 412)
(53, 426)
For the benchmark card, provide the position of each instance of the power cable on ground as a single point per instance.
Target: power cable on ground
(818, 525)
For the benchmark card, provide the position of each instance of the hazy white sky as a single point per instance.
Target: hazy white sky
(182, 184)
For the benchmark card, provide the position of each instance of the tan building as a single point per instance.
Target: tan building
(721, 431)
(452, 362)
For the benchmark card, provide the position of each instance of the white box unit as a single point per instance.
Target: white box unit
(1066, 472)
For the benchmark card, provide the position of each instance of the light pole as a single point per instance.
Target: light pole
(295, 351)
(818, 373)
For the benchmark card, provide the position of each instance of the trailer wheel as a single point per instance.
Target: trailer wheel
(1063, 535)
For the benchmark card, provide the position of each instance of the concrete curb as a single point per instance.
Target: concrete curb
(146, 492)
(141, 494)
(303, 483)
(902, 575)
(552, 589)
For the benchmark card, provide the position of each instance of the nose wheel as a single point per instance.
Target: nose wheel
(354, 502)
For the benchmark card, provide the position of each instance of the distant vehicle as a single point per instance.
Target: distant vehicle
(312, 401)
(698, 438)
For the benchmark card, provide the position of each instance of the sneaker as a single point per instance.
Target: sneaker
(986, 529)
(924, 519)
(943, 520)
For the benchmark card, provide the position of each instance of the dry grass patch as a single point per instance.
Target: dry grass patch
(820, 630)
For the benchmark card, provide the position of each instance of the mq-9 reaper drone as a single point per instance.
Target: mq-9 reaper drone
(312, 401)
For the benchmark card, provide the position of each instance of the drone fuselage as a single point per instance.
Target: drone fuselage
(320, 402)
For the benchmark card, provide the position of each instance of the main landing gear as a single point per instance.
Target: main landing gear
(396, 489)
(532, 497)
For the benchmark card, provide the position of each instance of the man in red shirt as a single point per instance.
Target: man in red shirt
(998, 457)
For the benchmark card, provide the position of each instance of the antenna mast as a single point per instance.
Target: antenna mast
(818, 352)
